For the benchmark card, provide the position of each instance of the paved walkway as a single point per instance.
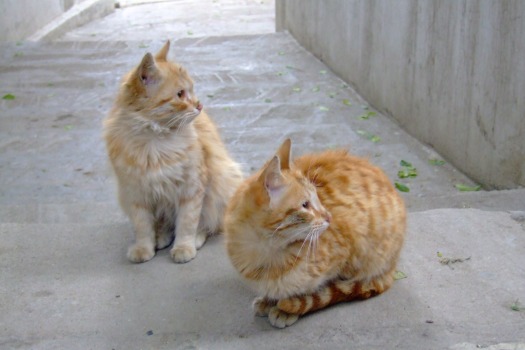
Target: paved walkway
(64, 279)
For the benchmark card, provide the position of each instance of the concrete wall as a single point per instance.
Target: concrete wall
(451, 72)
(22, 19)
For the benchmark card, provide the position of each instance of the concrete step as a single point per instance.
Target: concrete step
(69, 286)
(259, 89)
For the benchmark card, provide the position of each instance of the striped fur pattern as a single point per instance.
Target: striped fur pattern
(324, 229)
(174, 174)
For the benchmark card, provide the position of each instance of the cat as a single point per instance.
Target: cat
(324, 229)
(174, 174)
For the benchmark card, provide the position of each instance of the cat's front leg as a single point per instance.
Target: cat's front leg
(184, 249)
(144, 247)
(261, 306)
(280, 319)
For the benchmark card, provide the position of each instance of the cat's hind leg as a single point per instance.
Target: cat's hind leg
(164, 232)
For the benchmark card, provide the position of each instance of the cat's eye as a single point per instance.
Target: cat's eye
(181, 93)
(306, 205)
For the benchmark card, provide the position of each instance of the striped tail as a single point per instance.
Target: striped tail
(335, 292)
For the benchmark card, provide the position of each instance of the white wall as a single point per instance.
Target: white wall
(452, 73)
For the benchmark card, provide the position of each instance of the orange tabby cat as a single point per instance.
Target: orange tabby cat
(174, 174)
(325, 229)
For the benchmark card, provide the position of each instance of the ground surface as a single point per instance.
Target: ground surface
(64, 278)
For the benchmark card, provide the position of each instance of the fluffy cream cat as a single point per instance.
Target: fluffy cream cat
(174, 174)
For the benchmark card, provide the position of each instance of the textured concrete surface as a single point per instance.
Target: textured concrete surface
(65, 282)
(451, 73)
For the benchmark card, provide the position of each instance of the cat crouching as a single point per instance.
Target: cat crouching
(174, 174)
(326, 228)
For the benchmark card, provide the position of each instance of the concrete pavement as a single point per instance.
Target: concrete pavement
(65, 282)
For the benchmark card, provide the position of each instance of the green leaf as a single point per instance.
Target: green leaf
(367, 115)
(516, 306)
(324, 109)
(401, 187)
(18, 54)
(406, 173)
(267, 100)
(364, 106)
(290, 67)
(405, 163)
(68, 127)
(316, 89)
(281, 53)
(211, 95)
(281, 73)
(190, 32)
(227, 108)
(322, 72)
(371, 137)
(296, 89)
(437, 162)
(465, 188)
(142, 46)
(399, 275)
(332, 94)
(347, 102)
(439, 254)
(9, 97)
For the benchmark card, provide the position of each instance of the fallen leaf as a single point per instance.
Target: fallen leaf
(399, 275)
(401, 187)
(465, 188)
(210, 95)
(227, 108)
(347, 102)
(267, 100)
(190, 32)
(435, 161)
(369, 136)
(322, 72)
(332, 94)
(324, 109)
(367, 115)
(316, 89)
(9, 97)
(296, 89)
(281, 53)
(68, 127)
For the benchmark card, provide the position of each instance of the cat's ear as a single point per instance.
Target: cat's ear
(273, 179)
(285, 153)
(147, 71)
(162, 55)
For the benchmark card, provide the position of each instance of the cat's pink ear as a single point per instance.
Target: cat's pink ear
(147, 70)
(285, 153)
(162, 55)
(273, 179)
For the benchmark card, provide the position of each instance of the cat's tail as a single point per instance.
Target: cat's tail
(335, 292)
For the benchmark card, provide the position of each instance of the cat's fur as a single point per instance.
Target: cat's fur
(326, 228)
(174, 174)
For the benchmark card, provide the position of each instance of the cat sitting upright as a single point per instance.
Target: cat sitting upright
(174, 174)
(326, 228)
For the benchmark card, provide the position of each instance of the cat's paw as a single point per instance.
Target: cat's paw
(163, 240)
(281, 319)
(140, 252)
(262, 306)
(183, 253)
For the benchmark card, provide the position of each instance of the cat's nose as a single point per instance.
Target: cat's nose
(199, 106)
(328, 217)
